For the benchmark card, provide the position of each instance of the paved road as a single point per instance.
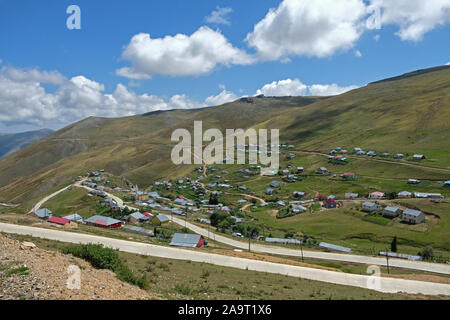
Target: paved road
(381, 261)
(388, 285)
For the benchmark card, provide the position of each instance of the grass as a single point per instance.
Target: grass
(105, 258)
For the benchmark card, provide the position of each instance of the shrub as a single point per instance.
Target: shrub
(105, 258)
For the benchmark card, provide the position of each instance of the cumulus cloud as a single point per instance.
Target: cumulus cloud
(219, 16)
(24, 100)
(295, 87)
(358, 54)
(329, 89)
(414, 17)
(222, 98)
(314, 28)
(180, 55)
(447, 64)
(286, 87)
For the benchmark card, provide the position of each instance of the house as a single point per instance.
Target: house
(349, 196)
(447, 183)
(139, 230)
(322, 170)
(63, 222)
(275, 184)
(413, 216)
(413, 181)
(391, 212)
(187, 240)
(418, 157)
(298, 209)
(74, 217)
(399, 156)
(370, 206)
(42, 213)
(376, 195)
(147, 214)
(104, 222)
(372, 153)
(137, 217)
(299, 194)
(242, 201)
(270, 191)
(404, 194)
(385, 155)
(348, 176)
(280, 203)
(330, 204)
(361, 153)
(356, 150)
(428, 195)
(160, 219)
(300, 169)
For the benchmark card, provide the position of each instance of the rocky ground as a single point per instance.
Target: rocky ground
(28, 272)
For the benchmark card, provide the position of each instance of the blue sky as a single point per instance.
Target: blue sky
(34, 36)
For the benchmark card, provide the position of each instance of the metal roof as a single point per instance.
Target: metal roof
(139, 230)
(283, 241)
(334, 247)
(43, 213)
(391, 209)
(139, 216)
(412, 212)
(101, 220)
(58, 220)
(74, 217)
(185, 240)
(162, 217)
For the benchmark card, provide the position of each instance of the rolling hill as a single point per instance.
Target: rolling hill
(10, 143)
(407, 114)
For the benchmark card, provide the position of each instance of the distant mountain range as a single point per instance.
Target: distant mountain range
(10, 143)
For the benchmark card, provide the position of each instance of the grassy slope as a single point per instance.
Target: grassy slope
(409, 115)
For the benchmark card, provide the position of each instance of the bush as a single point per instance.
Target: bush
(105, 258)
(427, 253)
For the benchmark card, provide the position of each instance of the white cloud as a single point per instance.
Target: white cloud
(414, 17)
(358, 54)
(23, 100)
(286, 87)
(377, 37)
(222, 98)
(447, 64)
(180, 55)
(219, 16)
(295, 87)
(329, 89)
(315, 28)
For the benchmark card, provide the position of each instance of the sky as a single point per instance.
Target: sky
(132, 57)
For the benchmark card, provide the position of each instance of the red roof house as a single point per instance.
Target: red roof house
(330, 204)
(147, 214)
(60, 221)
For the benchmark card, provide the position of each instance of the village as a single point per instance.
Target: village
(209, 197)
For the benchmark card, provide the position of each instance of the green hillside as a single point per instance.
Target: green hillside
(408, 114)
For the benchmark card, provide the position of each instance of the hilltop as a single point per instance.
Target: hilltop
(407, 114)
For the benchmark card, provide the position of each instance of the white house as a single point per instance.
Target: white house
(413, 216)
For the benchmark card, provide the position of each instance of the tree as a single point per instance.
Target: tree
(394, 244)
(213, 199)
(427, 253)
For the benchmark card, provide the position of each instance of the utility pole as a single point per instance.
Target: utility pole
(301, 249)
(249, 237)
(387, 260)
